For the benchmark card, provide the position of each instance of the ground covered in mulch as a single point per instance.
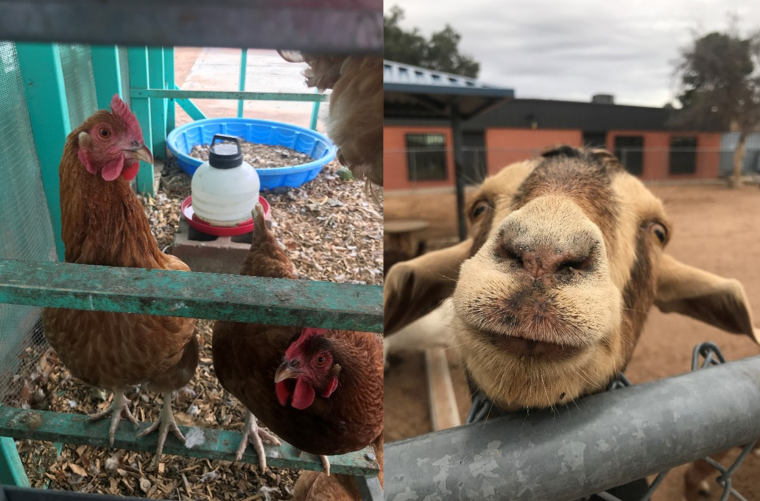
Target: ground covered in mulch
(261, 156)
(332, 229)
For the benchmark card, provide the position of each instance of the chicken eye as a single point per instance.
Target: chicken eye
(320, 360)
(105, 133)
(659, 231)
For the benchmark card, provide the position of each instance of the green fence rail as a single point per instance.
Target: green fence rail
(197, 295)
(221, 94)
(23, 424)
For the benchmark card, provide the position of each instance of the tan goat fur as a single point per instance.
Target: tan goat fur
(565, 257)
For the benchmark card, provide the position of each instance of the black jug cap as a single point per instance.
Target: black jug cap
(225, 156)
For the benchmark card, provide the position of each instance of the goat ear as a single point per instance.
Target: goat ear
(414, 288)
(718, 301)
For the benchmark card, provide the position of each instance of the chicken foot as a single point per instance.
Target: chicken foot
(164, 425)
(119, 408)
(253, 434)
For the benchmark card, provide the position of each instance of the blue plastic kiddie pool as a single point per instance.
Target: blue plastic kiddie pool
(182, 139)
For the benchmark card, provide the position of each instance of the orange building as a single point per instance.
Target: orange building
(418, 150)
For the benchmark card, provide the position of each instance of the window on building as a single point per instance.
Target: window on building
(683, 154)
(426, 155)
(630, 152)
(474, 156)
(595, 139)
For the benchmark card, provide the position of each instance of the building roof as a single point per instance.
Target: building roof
(555, 114)
(587, 116)
(411, 91)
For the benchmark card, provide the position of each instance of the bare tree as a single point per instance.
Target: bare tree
(720, 85)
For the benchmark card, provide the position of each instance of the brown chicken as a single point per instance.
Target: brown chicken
(104, 224)
(355, 122)
(320, 390)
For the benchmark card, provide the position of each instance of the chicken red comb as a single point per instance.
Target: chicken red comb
(306, 334)
(120, 109)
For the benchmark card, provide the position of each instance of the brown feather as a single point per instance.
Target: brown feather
(316, 486)
(103, 223)
(355, 122)
(246, 357)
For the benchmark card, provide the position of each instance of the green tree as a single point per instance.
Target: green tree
(720, 87)
(440, 52)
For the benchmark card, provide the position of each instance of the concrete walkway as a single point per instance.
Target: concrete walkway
(266, 71)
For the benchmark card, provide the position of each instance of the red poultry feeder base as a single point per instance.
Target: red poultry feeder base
(220, 231)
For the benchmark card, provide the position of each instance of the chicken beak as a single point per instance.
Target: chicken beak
(139, 153)
(286, 371)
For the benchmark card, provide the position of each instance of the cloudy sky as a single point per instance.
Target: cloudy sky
(571, 49)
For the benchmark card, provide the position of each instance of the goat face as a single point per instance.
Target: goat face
(551, 291)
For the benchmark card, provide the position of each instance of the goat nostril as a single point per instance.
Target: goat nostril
(582, 264)
(507, 253)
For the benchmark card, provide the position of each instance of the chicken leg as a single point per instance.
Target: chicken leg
(254, 435)
(119, 408)
(165, 424)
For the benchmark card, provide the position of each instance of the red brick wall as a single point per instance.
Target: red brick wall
(507, 146)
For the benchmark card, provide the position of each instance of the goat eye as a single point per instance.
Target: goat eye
(105, 133)
(659, 231)
(479, 209)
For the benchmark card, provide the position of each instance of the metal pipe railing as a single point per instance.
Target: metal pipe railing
(604, 441)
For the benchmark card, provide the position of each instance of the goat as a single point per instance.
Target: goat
(550, 292)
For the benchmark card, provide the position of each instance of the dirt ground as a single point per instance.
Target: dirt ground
(715, 229)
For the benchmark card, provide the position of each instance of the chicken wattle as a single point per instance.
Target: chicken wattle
(320, 390)
(103, 223)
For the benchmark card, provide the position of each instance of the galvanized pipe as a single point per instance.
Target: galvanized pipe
(607, 440)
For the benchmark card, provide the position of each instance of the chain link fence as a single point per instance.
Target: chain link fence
(25, 230)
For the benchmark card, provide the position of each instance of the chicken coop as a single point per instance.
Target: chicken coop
(60, 61)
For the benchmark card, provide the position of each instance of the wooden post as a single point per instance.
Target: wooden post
(241, 87)
(107, 73)
(158, 106)
(138, 79)
(42, 76)
(169, 84)
(444, 412)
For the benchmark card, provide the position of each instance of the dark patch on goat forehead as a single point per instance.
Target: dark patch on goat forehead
(638, 294)
(586, 181)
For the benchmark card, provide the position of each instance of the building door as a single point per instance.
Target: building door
(595, 139)
(474, 146)
(630, 152)
(683, 155)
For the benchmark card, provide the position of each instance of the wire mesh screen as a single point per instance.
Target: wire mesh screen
(76, 62)
(25, 229)
(124, 68)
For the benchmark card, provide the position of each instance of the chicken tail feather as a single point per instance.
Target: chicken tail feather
(266, 258)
